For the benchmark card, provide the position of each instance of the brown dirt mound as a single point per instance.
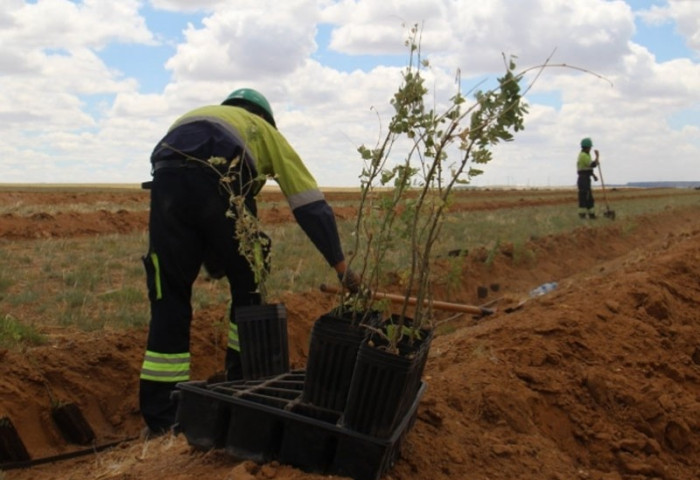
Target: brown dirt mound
(599, 379)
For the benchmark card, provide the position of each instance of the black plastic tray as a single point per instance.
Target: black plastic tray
(265, 420)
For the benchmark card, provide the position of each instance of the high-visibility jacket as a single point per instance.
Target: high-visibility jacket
(584, 164)
(267, 153)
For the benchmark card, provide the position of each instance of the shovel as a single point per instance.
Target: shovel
(608, 213)
(447, 306)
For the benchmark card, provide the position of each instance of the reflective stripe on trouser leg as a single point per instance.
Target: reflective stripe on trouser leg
(158, 284)
(166, 367)
(233, 341)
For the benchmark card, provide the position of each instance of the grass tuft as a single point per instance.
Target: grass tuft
(14, 333)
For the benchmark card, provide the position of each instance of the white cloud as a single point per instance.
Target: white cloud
(66, 25)
(684, 13)
(185, 5)
(256, 40)
(474, 34)
(370, 27)
(50, 68)
(69, 115)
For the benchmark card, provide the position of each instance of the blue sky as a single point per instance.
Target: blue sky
(88, 87)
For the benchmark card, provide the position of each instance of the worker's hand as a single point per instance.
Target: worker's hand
(350, 280)
(595, 178)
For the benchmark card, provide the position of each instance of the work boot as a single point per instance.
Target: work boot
(592, 216)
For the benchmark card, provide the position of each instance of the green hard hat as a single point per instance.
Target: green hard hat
(251, 97)
(587, 142)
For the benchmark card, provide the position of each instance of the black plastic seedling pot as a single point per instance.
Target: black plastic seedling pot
(267, 421)
(262, 333)
(205, 418)
(333, 346)
(384, 385)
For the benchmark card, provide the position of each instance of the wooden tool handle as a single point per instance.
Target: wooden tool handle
(447, 306)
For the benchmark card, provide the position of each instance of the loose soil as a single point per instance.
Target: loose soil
(598, 379)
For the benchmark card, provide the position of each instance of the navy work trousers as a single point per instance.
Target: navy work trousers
(585, 194)
(188, 224)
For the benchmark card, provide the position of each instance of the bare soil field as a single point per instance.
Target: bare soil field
(597, 380)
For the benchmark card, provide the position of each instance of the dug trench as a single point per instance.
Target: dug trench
(599, 379)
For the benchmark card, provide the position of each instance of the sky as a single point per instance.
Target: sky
(88, 88)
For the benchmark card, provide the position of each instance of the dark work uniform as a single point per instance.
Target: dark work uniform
(189, 225)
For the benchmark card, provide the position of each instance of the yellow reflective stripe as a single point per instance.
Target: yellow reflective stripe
(156, 266)
(166, 367)
(233, 342)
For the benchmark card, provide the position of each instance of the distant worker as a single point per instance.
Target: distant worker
(190, 224)
(585, 166)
